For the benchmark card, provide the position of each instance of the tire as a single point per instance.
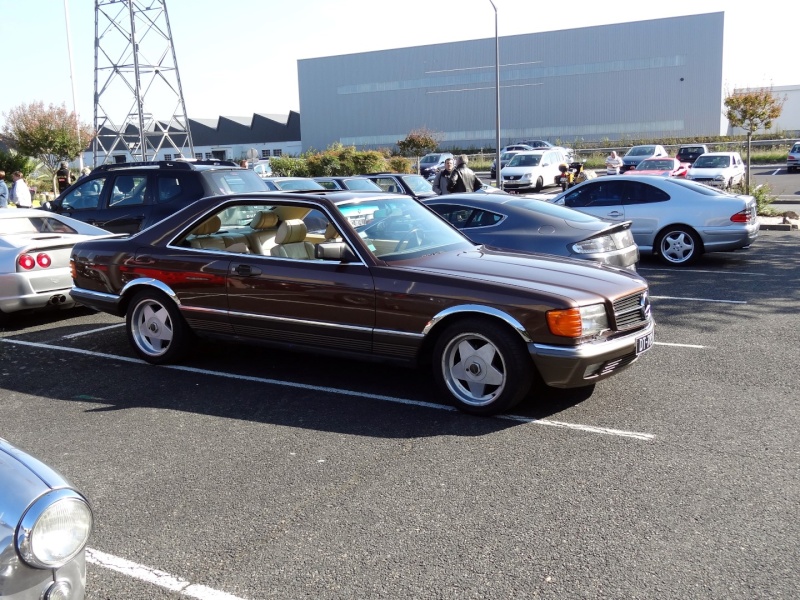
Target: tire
(156, 329)
(484, 366)
(539, 185)
(679, 246)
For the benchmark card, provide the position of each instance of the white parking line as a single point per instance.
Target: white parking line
(713, 271)
(679, 345)
(698, 299)
(339, 391)
(776, 171)
(155, 577)
(80, 333)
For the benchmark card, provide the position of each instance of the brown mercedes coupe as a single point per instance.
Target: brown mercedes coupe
(372, 276)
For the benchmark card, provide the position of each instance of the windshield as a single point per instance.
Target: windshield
(430, 158)
(418, 184)
(361, 184)
(508, 155)
(298, 184)
(398, 228)
(525, 160)
(712, 162)
(655, 165)
(236, 181)
(641, 151)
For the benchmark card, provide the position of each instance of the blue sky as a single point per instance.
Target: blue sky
(239, 57)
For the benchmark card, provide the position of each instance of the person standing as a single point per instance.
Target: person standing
(442, 178)
(3, 190)
(613, 163)
(63, 178)
(20, 193)
(463, 179)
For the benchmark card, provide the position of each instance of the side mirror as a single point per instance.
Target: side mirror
(335, 251)
(47, 205)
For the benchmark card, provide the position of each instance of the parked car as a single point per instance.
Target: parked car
(793, 158)
(638, 153)
(505, 157)
(291, 183)
(415, 186)
(674, 219)
(532, 170)
(262, 168)
(511, 223)
(544, 145)
(354, 183)
(45, 524)
(719, 169)
(430, 163)
(34, 259)
(690, 153)
(662, 167)
(405, 287)
(517, 148)
(127, 197)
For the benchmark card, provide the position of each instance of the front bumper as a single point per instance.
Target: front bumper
(578, 366)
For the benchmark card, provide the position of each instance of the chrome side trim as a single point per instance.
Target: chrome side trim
(275, 319)
(484, 310)
(160, 285)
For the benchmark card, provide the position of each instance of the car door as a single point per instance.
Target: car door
(85, 201)
(126, 205)
(601, 197)
(648, 208)
(316, 303)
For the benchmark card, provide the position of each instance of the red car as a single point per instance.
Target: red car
(663, 166)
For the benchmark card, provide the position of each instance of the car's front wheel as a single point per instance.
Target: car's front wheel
(679, 246)
(483, 365)
(156, 329)
(539, 185)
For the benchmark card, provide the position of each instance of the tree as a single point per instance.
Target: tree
(47, 134)
(418, 143)
(751, 110)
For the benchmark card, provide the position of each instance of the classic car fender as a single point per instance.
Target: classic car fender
(480, 310)
(131, 288)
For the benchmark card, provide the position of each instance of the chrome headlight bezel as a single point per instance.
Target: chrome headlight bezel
(594, 319)
(54, 529)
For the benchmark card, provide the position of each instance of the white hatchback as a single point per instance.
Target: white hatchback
(532, 170)
(718, 169)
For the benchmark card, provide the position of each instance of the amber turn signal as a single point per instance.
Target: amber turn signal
(566, 323)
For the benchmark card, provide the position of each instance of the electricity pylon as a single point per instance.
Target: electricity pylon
(135, 75)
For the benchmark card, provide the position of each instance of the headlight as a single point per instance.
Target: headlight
(605, 243)
(527, 176)
(54, 529)
(719, 178)
(578, 322)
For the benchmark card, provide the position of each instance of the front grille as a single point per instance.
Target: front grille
(512, 177)
(632, 311)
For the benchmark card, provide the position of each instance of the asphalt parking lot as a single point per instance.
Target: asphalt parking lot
(246, 473)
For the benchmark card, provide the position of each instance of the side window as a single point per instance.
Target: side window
(86, 195)
(128, 190)
(602, 193)
(458, 216)
(173, 187)
(484, 218)
(328, 185)
(387, 184)
(636, 192)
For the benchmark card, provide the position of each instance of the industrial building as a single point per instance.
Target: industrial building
(647, 79)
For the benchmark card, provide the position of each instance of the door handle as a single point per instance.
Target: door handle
(247, 270)
(614, 214)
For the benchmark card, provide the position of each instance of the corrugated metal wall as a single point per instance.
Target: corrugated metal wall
(649, 79)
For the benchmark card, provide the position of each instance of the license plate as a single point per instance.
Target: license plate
(644, 343)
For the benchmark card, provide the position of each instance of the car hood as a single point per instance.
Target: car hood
(578, 280)
(710, 172)
(658, 172)
(23, 477)
(519, 170)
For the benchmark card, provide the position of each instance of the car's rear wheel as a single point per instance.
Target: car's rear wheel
(539, 185)
(156, 329)
(679, 246)
(483, 365)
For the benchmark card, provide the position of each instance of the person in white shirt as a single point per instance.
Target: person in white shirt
(20, 193)
(613, 164)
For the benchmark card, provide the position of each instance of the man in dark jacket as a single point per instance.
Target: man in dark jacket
(463, 179)
(63, 177)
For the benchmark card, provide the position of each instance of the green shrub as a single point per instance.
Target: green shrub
(288, 166)
(763, 196)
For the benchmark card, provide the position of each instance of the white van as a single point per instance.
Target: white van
(532, 170)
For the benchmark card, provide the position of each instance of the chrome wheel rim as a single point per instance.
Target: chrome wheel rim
(152, 327)
(677, 247)
(474, 369)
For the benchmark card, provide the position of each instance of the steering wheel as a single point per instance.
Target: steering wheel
(412, 239)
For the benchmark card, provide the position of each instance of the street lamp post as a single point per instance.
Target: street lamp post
(498, 176)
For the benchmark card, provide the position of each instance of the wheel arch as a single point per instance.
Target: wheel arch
(446, 317)
(137, 285)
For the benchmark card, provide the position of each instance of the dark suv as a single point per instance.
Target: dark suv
(690, 153)
(128, 197)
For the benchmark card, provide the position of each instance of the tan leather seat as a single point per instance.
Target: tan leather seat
(331, 235)
(203, 235)
(291, 242)
(265, 228)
